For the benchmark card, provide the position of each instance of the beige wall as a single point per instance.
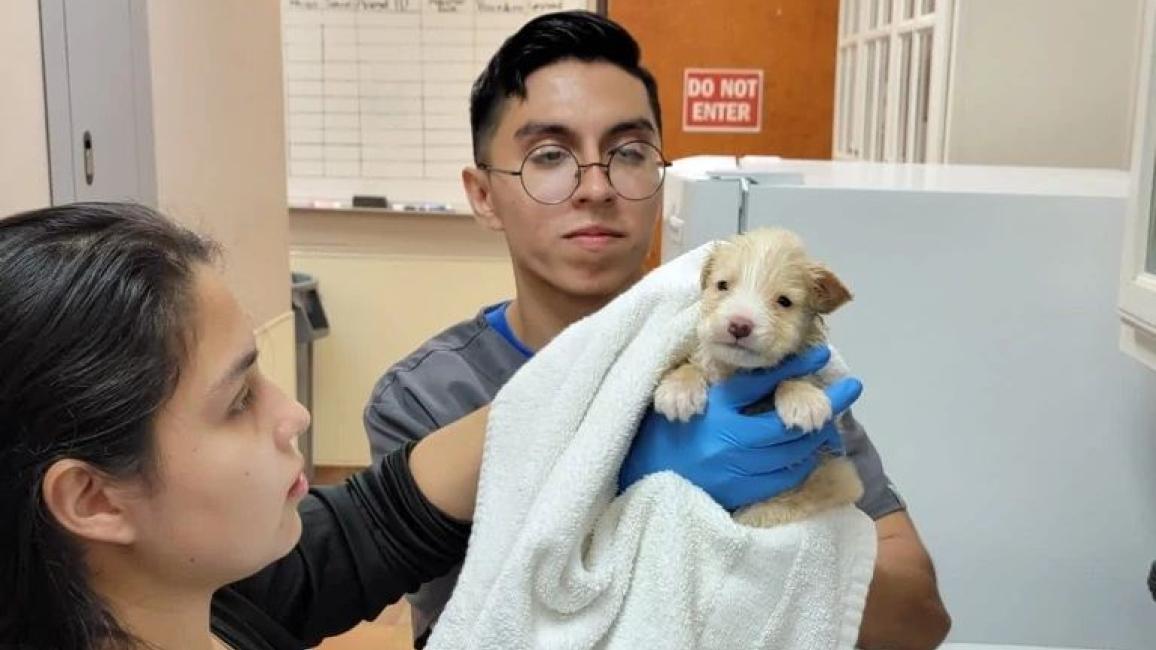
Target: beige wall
(218, 119)
(220, 140)
(217, 103)
(388, 282)
(1060, 95)
(277, 352)
(23, 139)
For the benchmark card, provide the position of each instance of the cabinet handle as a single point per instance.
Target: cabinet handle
(89, 162)
(675, 225)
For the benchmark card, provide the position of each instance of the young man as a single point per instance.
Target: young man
(564, 118)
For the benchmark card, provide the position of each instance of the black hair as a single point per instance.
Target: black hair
(95, 301)
(545, 40)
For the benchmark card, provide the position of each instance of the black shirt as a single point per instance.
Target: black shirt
(363, 544)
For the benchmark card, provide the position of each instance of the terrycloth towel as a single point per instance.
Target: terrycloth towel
(556, 561)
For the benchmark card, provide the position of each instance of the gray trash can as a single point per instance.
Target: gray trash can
(310, 324)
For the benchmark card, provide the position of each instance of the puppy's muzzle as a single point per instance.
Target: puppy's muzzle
(740, 328)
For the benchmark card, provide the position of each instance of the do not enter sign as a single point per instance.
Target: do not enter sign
(722, 100)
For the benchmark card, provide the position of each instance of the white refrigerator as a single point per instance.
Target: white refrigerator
(984, 327)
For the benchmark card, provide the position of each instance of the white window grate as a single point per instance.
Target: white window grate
(891, 80)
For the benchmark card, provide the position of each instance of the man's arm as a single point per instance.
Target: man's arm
(904, 610)
(450, 376)
(395, 415)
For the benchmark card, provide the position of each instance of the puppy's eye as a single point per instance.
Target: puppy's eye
(722, 285)
(784, 301)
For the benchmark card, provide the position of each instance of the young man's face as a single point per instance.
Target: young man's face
(593, 243)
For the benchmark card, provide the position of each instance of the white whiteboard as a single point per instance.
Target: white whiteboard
(377, 93)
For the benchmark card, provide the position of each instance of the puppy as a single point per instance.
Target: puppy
(764, 299)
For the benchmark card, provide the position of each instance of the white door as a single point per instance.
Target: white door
(97, 98)
(1022, 441)
(1137, 298)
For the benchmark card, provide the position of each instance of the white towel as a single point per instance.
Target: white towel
(556, 561)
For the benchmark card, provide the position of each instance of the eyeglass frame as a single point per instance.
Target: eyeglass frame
(520, 172)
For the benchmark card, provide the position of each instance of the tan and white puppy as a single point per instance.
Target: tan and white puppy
(763, 299)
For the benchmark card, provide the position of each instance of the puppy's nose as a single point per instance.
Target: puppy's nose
(740, 328)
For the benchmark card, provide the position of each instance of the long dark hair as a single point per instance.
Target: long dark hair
(95, 300)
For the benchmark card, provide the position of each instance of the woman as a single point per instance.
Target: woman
(146, 465)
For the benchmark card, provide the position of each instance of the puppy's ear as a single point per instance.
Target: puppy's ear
(708, 265)
(827, 291)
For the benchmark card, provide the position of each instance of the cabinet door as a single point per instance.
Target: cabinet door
(98, 100)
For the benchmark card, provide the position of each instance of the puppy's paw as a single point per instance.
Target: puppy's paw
(802, 405)
(681, 394)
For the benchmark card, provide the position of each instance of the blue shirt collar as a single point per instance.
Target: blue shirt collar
(496, 317)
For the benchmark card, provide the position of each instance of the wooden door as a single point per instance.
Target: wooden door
(792, 41)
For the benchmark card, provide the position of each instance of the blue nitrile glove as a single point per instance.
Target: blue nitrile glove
(740, 459)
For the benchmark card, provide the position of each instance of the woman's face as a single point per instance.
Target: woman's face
(224, 501)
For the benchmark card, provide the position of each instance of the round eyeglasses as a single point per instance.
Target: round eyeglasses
(551, 173)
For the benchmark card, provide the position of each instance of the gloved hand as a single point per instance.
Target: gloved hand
(740, 459)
